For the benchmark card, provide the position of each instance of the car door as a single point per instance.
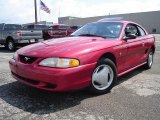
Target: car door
(135, 47)
(143, 38)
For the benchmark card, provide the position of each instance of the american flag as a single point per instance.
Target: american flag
(44, 7)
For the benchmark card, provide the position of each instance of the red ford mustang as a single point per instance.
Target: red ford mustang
(92, 57)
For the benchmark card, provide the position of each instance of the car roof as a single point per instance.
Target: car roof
(118, 21)
(115, 19)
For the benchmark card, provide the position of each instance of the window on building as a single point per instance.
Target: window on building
(154, 30)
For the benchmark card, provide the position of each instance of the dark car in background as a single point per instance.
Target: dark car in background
(53, 31)
(57, 31)
(13, 36)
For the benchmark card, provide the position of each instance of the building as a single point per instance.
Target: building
(40, 22)
(149, 20)
(61, 20)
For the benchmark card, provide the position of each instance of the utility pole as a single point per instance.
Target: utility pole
(35, 4)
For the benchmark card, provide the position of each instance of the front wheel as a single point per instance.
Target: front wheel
(149, 63)
(10, 45)
(104, 77)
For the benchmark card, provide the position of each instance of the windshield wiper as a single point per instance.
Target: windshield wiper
(91, 35)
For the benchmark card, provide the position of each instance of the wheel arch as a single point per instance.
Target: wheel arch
(153, 48)
(109, 55)
(9, 38)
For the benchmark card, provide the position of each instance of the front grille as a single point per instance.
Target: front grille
(48, 86)
(27, 59)
(34, 82)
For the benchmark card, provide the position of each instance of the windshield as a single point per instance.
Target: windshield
(59, 27)
(100, 29)
(64, 27)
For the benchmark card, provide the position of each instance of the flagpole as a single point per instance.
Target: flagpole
(35, 4)
(39, 12)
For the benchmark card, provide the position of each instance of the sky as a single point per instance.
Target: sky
(22, 11)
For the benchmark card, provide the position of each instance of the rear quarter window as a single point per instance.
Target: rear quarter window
(142, 32)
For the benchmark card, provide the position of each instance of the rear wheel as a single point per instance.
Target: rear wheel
(10, 45)
(104, 77)
(149, 63)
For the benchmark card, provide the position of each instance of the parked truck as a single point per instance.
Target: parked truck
(13, 36)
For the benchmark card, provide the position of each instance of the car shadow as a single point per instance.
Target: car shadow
(38, 101)
(42, 102)
(4, 50)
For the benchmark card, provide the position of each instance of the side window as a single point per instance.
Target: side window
(30, 26)
(25, 27)
(132, 29)
(142, 32)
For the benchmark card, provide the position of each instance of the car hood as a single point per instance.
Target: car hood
(67, 47)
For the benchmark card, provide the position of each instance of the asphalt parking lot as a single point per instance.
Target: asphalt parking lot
(135, 97)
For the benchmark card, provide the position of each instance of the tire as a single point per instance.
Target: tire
(149, 63)
(10, 45)
(102, 83)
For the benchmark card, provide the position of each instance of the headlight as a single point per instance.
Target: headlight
(60, 62)
(15, 55)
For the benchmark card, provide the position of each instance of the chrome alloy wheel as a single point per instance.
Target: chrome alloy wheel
(150, 59)
(102, 77)
(10, 45)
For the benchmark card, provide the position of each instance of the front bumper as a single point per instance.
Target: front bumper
(52, 79)
(30, 41)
